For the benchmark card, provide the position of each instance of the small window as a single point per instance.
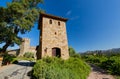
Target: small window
(50, 21)
(59, 23)
(55, 33)
(45, 50)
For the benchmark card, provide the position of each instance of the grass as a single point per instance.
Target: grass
(24, 58)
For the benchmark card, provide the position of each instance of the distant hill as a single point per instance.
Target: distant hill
(113, 50)
(109, 51)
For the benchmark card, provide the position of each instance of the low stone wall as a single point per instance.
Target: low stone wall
(24, 47)
(14, 52)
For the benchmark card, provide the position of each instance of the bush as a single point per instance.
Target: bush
(73, 53)
(7, 59)
(55, 68)
(25, 58)
(94, 59)
(110, 63)
(29, 55)
(14, 61)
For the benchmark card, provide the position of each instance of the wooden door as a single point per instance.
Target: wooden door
(53, 51)
(56, 52)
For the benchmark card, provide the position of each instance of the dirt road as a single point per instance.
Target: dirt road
(98, 73)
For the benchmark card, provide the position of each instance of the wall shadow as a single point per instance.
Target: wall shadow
(26, 63)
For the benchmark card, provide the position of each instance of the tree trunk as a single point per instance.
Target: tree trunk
(3, 50)
(9, 42)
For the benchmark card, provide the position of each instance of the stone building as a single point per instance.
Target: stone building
(53, 37)
(24, 47)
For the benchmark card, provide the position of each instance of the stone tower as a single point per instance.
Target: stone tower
(24, 47)
(53, 37)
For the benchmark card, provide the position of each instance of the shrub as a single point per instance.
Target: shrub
(55, 68)
(73, 53)
(78, 68)
(29, 55)
(7, 59)
(14, 61)
(110, 63)
(94, 59)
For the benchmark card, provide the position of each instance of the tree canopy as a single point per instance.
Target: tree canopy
(71, 51)
(18, 17)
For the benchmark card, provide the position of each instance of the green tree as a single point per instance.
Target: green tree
(71, 51)
(17, 17)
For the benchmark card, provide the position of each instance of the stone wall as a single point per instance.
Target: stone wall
(24, 47)
(14, 52)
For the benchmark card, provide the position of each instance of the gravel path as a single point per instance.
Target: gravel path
(98, 73)
(16, 71)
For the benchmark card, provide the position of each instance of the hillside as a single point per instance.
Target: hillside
(109, 51)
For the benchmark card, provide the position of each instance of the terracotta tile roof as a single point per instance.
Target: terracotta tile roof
(52, 16)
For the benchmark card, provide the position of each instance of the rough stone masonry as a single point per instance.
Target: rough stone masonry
(53, 37)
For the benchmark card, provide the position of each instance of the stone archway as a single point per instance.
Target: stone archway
(56, 52)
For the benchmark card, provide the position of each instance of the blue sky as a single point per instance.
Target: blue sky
(92, 24)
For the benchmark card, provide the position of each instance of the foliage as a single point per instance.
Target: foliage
(55, 68)
(73, 53)
(29, 55)
(111, 63)
(25, 58)
(117, 77)
(1, 54)
(94, 59)
(12, 59)
(17, 17)
(8, 59)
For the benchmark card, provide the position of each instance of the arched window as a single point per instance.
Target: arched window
(50, 21)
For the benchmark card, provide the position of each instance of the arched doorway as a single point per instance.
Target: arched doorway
(56, 52)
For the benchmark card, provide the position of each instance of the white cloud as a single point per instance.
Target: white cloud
(75, 17)
(68, 13)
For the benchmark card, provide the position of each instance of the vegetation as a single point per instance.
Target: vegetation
(56, 68)
(73, 53)
(29, 55)
(110, 62)
(7, 59)
(24, 58)
(117, 77)
(17, 17)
